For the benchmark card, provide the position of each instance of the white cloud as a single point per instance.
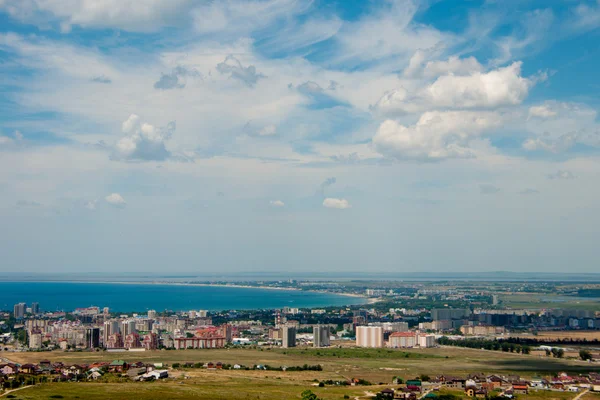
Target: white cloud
(432, 69)
(454, 66)
(557, 127)
(268, 130)
(388, 35)
(176, 79)
(496, 88)
(130, 15)
(239, 18)
(436, 135)
(91, 205)
(562, 143)
(142, 141)
(236, 70)
(562, 174)
(340, 204)
(277, 203)
(115, 199)
(542, 111)
(504, 86)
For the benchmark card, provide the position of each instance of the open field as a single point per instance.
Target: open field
(547, 300)
(375, 365)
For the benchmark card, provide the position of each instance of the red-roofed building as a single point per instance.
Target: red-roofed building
(402, 340)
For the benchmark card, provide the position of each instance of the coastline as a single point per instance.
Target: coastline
(366, 299)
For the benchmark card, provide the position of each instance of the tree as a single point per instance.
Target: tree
(585, 355)
(309, 395)
(557, 352)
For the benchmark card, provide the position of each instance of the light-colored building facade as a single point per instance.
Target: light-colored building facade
(369, 336)
(321, 336)
(403, 340)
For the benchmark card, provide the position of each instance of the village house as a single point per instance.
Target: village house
(9, 369)
(28, 369)
(118, 366)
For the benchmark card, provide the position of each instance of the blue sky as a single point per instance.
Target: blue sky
(287, 135)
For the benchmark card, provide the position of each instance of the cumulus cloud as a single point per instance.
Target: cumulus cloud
(499, 87)
(562, 174)
(236, 70)
(488, 189)
(115, 199)
(257, 129)
(91, 205)
(276, 203)
(101, 79)
(326, 183)
(453, 66)
(340, 204)
(546, 143)
(176, 79)
(142, 141)
(436, 135)
(542, 111)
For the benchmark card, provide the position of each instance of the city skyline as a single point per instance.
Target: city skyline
(281, 136)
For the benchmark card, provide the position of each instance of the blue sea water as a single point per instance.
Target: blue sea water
(66, 296)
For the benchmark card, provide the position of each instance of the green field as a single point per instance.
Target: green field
(378, 366)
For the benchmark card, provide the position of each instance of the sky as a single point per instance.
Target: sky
(197, 136)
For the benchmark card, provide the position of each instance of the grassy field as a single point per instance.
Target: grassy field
(375, 365)
(546, 300)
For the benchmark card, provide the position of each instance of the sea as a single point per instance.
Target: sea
(140, 297)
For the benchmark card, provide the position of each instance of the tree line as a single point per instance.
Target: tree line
(496, 345)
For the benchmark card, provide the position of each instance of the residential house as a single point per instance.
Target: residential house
(118, 366)
(520, 388)
(29, 368)
(9, 369)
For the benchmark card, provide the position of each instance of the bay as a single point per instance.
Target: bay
(132, 297)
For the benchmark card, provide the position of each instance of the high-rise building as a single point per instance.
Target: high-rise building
(35, 308)
(35, 340)
(369, 336)
(92, 337)
(111, 327)
(128, 327)
(320, 336)
(19, 310)
(288, 337)
(152, 314)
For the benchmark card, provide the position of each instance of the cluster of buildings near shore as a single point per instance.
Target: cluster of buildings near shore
(95, 327)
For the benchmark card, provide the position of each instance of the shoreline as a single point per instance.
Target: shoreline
(366, 299)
